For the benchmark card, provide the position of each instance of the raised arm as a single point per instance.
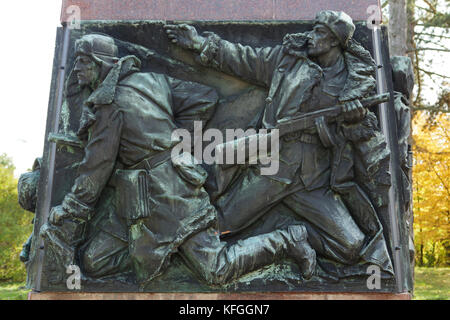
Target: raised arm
(254, 64)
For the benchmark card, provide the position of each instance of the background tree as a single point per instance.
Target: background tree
(431, 189)
(420, 30)
(427, 45)
(397, 27)
(15, 224)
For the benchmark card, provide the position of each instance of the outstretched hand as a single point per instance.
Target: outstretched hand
(185, 36)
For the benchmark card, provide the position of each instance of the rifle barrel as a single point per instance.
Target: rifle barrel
(307, 120)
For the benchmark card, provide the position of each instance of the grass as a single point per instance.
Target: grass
(430, 284)
(13, 291)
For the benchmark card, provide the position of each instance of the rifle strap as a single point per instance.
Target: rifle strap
(325, 135)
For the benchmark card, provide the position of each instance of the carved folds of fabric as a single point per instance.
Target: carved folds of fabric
(86, 121)
(76, 208)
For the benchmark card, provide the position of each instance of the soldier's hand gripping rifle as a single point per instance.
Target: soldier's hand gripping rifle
(331, 114)
(321, 118)
(316, 119)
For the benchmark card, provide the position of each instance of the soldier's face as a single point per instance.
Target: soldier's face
(87, 71)
(321, 41)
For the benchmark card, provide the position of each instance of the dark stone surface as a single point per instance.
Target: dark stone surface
(403, 75)
(394, 128)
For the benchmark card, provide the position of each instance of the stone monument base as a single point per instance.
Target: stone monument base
(218, 296)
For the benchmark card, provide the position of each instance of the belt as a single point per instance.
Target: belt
(153, 161)
(302, 137)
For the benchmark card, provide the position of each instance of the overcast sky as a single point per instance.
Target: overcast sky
(28, 31)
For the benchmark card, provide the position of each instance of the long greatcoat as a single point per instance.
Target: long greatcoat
(130, 118)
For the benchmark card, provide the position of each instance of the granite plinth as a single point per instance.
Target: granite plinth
(218, 296)
(212, 9)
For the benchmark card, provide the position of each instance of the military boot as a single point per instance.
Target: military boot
(219, 263)
(301, 251)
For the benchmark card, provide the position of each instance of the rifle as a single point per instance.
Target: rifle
(331, 114)
(305, 121)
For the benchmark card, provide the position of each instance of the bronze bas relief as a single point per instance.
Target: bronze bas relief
(137, 214)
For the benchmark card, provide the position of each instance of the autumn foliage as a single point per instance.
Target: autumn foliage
(15, 225)
(431, 187)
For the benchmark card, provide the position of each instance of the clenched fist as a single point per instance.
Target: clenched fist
(57, 216)
(353, 111)
(185, 36)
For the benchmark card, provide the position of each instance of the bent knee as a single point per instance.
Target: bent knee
(353, 247)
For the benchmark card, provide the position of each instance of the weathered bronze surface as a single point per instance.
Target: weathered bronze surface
(134, 216)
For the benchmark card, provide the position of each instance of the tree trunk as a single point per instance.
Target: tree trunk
(397, 27)
(421, 255)
(411, 23)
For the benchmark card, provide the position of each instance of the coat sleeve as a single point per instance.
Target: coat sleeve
(254, 64)
(191, 101)
(98, 163)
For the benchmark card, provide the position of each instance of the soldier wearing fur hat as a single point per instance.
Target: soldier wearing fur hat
(316, 181)
(161, 206)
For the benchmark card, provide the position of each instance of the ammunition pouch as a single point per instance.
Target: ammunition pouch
(132, 194)
(133, 186)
